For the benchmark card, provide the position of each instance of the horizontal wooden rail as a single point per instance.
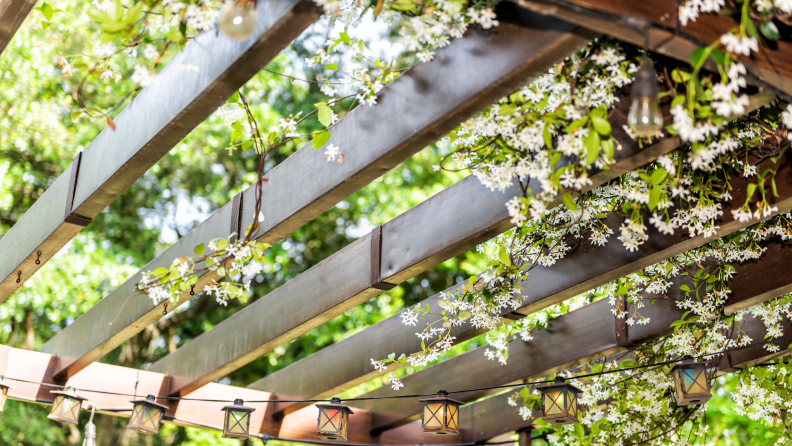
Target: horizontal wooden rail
(12, 14)
(190, 88)
(575, 338)
(587, 267)
(40, 367)
(373, 143)
(347, 279)
(773, 66)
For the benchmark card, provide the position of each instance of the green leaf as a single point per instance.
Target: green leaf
(548, 139)
(325, 115)
(654, 197)
(750, 28)
(503, 256)
(600, 112)
(602, 126)
(112, 27)
(684, 287)
(159, 272)
(569, 201)
(320, 139)
(234, 98)
(506, 109)
(135, 13)
(199, 249)
(751, 191)
(235, 135)
(679, 100)
(332, 66)
(46, 10)
(658, 176)
(592, 144)
(246, 145)
(271, 138)
(465, 315)
(579, 430)
(698, 56)
(345, 38)
(769, 30)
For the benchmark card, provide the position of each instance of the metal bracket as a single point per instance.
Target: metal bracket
(376, 262)
(621, 324)
(236, 216)
(69, 216)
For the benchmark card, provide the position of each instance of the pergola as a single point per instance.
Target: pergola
(532, 37)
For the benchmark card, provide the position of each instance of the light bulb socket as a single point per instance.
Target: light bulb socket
(645, 84)
(90, 430)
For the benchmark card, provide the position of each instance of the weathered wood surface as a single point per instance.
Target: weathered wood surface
(12, 14)
(586, 268)
(190, 88)
(773, 66)
(373, 144)
(575, 338)
(300, 305)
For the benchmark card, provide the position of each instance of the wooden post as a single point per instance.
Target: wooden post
(525, 436)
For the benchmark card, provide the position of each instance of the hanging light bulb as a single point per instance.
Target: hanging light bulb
(645, 117)
(90, 431)
(4, 388)
(238, 19)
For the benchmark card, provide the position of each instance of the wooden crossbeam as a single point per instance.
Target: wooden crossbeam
(346, 278)
(773, 66)
(198, 80)
(12, 14)
(575, 338)
(40, 367)
(587, 267)
(373, 143)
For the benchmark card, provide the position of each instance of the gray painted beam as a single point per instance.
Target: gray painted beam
(12, 14)
(190, 88)
(513, 55)
(587, 267)
(373, 143)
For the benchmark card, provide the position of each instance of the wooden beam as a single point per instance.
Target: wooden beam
(373, 143)
(774, 66)
(575, 338)
(198, 80)
(12, 14)
(514, 54)
(586, 268)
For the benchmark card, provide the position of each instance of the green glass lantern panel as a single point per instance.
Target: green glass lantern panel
(434, 415)
(238, 422)
(554, 402)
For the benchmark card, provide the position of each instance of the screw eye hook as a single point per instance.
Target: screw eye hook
(19, 276)
(165, 309)
(38, 258)
(192, 290)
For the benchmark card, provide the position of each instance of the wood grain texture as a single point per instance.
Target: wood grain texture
(190, 88)
(772, 65)
(12, 14)
(373, 143)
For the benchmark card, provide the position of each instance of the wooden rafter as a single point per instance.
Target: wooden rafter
(373, 143)
(195, 83)
(12, 14)
(575, 338)
(773, 66)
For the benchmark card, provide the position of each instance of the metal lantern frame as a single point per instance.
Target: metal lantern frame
(691, 383)
(332, 422)
(441, 415)
(237, 420)
(4, 388)
(66, 406)
(146, 415)
(559, 402)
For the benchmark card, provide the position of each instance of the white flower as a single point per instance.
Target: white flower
(739, 45)
(394, 382)
(150, 52)
(142, 76)
(333, 152)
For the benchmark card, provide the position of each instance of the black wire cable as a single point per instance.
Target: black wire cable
(418, 395)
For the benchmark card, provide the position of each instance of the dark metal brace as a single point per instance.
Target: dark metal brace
(69, 216)
(236, 216)
(621, 324)
(376, 262)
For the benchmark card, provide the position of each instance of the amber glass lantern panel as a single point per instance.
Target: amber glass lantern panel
(441, 415)
(333, 421)
(66, 406)
(559, 402)
(146, 415)
(691, 383)
(237, 420)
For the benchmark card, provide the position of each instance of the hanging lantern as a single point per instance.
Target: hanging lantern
(66, 406)
(691, 382)
(4, 388)
(333, 421)
(237, 420)
(559, 402)
(146, 415)
(441, 415)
